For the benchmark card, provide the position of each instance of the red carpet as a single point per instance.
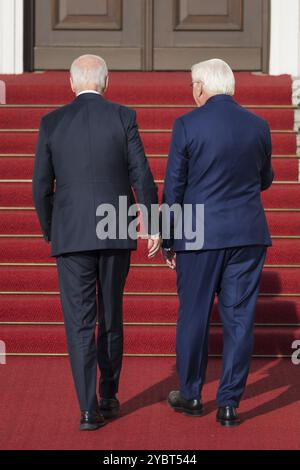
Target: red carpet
(148, 118)
(144, 88)
(43, 413)
(142, 279)
(284, 143)
(38, 408)
(25, 265)
(160, 309)
(286, 168)
(24, 250)
(19, 222)
(144, 339)
(281, 195)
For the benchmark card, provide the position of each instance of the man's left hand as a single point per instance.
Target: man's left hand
(154, 243)
(170, 258)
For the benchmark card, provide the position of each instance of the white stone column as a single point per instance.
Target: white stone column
(11, 36)
(285, 37)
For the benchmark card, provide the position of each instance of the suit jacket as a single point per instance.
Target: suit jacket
(220, 156)
(88, 153)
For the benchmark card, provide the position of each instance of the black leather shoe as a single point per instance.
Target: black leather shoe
(188, 407)
(228, 416)
(109, 407)
(91, 421)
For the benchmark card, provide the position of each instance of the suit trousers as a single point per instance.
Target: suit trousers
(91, 287)
(234, 274)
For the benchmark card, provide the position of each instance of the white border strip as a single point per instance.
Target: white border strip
(11, 36)
(285, 34)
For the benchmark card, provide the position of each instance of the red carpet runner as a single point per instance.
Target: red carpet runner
(38, 409)
(30, 317)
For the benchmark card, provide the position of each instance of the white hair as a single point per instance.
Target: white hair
(216, 76)
(89, 71)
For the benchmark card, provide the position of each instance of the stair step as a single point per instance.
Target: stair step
(155, 340)
(286, 168)
(282, 195)
(148, 309)
(35, 250)
(146, 88)
(22, 118)
(277, 280)
(284, 143)
(18, 222)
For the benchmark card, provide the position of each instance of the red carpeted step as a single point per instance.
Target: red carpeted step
(157, 143)
(154, 142)
(16, 194)
(16, 167)
(36, 339)
(140, 88)
(163, 309)
(25, 222)
(161, 340)
(21, 142)
(141, 309)
(282, 196)
(148, 118)
(274, 280)
(283, 280)
(286, 168)
(163, 118)
(145, 88)
(284, 223)
(279, 196)
(23, 118)
(35, 250)
(19, 222)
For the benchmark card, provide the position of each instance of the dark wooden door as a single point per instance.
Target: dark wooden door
(65, 29)
(188, 31)
(152, 34)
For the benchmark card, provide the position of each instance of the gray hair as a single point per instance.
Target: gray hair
(216, 75)
(89, 71)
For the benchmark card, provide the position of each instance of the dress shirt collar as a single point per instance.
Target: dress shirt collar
(89, 91)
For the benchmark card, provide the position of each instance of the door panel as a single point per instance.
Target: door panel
(90, 14)
(66, 29)
(213, 15)
(188, 31)
(152, 34)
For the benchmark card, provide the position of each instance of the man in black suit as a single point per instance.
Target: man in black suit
(89, 154)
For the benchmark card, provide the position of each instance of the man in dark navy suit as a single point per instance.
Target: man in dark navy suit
(220, 157)
(92, 150)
